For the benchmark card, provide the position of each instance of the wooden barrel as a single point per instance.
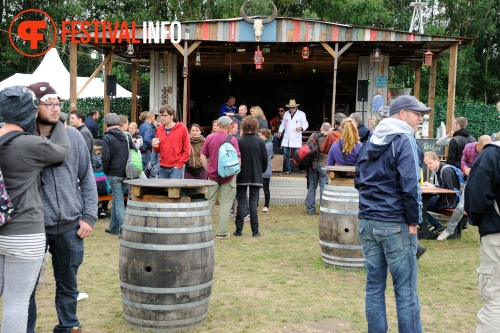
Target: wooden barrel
(166, 265)
(338, 228)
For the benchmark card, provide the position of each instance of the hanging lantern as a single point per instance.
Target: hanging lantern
(198, 59)
(258, 59)
(313, 69)
(162, 68)
(428, 58)
(376, 55)
(305, 53)
(130, 49)
(184, 72)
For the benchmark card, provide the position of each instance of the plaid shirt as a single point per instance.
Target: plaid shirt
(469, 155)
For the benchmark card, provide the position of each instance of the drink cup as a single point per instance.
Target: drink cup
(155, 142)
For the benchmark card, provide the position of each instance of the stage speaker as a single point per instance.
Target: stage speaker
(111, 85)
(362, 90)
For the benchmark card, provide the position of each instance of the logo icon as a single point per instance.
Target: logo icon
(27, 35)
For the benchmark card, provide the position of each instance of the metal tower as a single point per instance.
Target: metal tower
(417, 15)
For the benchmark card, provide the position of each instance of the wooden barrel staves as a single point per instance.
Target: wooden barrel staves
(338, 228)
(166, 265)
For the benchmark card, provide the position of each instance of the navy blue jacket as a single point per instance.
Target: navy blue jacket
(387, 174)
(92, 126)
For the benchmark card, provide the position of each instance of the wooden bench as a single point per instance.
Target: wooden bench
(458, 229)
(109, 197)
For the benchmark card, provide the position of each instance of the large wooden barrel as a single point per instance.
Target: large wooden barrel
(338, 228)
(166, 265)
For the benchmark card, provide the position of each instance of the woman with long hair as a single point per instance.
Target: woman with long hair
(257, 112)
(345, 151)
(194, 169)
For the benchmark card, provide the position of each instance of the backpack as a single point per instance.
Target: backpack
(228, 162)
(133, 169)
(6, 206)
(304, 157)
(460, 178)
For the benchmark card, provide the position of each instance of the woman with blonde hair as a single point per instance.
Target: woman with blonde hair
(257, 112)
(133, 129)
(345, 151)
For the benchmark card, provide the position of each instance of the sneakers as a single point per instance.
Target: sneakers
(246, 218)
(103, 215)
(265, 209)
(256, 234)
(420, 250)
(237, 233)
(287, 172)
(445, 234)
(222, 236)
(311, 213)
(77, 329)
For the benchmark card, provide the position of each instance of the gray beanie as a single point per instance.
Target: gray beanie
(112, 119)
(18, 105)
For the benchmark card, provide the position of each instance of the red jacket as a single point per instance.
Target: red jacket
(174, 148)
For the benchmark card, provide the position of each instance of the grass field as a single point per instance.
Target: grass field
(277, 283)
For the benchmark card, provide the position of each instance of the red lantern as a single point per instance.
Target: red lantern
(428, 58)
(258, 59)
(305, 53)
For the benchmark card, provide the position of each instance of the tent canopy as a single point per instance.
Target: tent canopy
(52, 70)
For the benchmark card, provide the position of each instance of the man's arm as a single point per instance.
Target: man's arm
(304, 123)
(444, 141)
(409, 172)
(204, 162)
(186, 149)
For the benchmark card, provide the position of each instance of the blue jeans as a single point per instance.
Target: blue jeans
(253, 200)
(431, 206)
(17, 280)
(315, 176)
(171, 173)
(146, 157)
(390, 245)
(286, 159)
(118, 207)
(67, 256)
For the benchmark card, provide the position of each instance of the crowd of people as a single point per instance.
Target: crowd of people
(76, 165)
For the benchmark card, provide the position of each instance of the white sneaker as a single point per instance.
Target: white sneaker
(265, 209)
(445, 234)
(246, 218)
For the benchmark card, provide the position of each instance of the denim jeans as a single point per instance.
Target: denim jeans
(171, 173)
(253, 200)
(431, 206)
(67, 256)
(17, 280)
(315, 176)
(286, 159)
(390, 245)
(117, 207)
(146, 157)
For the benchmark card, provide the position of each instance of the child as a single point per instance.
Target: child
(265, 134)
(101, 180)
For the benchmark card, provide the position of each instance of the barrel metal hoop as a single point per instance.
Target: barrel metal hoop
(160, 247)
(339, 199)
(168, 307)
(184, 205)
(155, 230)
(343, 264)
(343, 258)
(166, 323)
(341, 194)
(338, 211)
(150, 290)
(341, 246)
(155, 213)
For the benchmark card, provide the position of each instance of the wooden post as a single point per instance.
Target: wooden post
(334, 91)
(73, 74)
(185, 102)
(452, 84)
(107, 71)
(135, 82)
(431, 101)
(416, 85)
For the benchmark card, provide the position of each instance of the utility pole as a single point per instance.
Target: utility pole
(417, 15)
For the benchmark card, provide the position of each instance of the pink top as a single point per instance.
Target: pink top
(211, 151)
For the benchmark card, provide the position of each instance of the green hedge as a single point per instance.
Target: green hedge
(119, 105)
(483, 119)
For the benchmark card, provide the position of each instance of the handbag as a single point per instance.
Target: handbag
(133, 169)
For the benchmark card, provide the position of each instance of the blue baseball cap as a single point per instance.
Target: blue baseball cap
(407, 103)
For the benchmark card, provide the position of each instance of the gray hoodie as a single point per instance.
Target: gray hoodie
(69, 189)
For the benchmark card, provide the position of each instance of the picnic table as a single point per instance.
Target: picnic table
(427, 193)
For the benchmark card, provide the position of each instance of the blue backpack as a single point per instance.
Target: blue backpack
(228, 162)
(460, 178)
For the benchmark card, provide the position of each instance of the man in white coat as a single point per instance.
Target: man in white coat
(291, 128)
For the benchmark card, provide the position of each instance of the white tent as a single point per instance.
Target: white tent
(52, 70)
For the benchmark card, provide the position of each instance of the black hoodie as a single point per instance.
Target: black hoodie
(115, 152)
(457, 145)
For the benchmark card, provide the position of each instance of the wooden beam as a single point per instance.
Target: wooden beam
(73, 74)
(416, 84)
(107, 71)
(452, 84)
(179, 48)
(96, 71)
(334, 88)
(431, 101)
(193, 47)
(135, 83)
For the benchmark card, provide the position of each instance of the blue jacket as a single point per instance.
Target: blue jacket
(387, 174)
(92, 126)
(147, 132)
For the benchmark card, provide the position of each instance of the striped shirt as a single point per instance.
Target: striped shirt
(469, 155)
(28, 246)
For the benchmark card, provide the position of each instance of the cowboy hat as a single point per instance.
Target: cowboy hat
(292, 104)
